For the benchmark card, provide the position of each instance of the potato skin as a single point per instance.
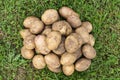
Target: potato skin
(47, 30)
(52, 60)
(87, 25)
(24, 33)
(55, 70)
(41, 45)
(27, 53)
(88, 51)
(50, 16)
(91, 40)
(78, 53)
(63, 27)
(53, 40)
(82, 64)
(38, 62)
(68, 70)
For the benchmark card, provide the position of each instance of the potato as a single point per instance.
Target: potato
(87, 25)
(66, 12)
(41, 45)
(88, 51)
(52, 60)
(56, 70)
(53, 40)
(82, 64)
(27, 53)
(91, 40)
(63, 27)
(29, 42)
(50, 16)
(74, 21)
(24, 33)
(78, 53)
(47, 30)
(68, 70)
(38, 62)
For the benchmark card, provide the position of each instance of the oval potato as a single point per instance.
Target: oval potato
(24, 33)
(91, 40)
(55, 70)
(87, 25)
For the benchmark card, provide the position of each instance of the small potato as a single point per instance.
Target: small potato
(74, 21)
(78, 53)
(88, 51)
(63, 27)
(82, 64)
(87, 25)
(66, 11)
(24, 33)
(27, 53)
(91, 40)
(50, 16)
(52, 60)
(53, 40)
(41, 45)
(38, 62)
(68, 70)
(29, 42)
(47, 30)
(55, 70)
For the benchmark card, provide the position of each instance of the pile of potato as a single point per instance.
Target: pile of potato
(61, 45)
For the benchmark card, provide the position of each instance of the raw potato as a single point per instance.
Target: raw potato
(74, 21)
(82, 64)
(91, 40)
(87, 25)
(63, 27)
(53, 40)
(50, 16)
(38, 62)
(78, 53)
(47, 30)
(56, 70)
(24, 33)
(41, 45)
(52, 60)
(68, 70)
(66, 12)
(27, 53)
(29, 42)
(88, 51)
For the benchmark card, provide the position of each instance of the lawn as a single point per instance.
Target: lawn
(103, 14)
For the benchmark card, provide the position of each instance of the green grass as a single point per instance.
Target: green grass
(103, 14)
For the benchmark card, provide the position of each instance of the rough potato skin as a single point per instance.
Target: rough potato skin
(63, 27)
(52, 60)
(91, 40)
(88, 51)
(68, 70)
(27, 53)
(38, 62)
(78, 53)
(82, 64)
(55, 70)
(41, 45)
(47, 30)
(87, 25)
(24, 33)
(53, 40)
(50, 16)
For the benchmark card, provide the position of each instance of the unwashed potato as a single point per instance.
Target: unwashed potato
(41, 45)
(53, 40)
(78, 53)
(47, 30)
(50, 16)
(88, 51)
(82, 64)
(91, 40)
(52, 60)
(66, 12)
(29, 42)
(87, 25)
(56, 70)
(27, 53)
(68, 70)
(24, 33)
(63, 27)
(38, 62)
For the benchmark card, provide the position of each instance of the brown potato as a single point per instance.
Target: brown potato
(91, 40)
(53, 40)
(24, 33)
(38, 62)
(52, 60)
(27, 53)
(68, 70)
(87, 25)
(82, 64)
(88, 51)
(29, 42)
(47, 30)
(63, 27)
(66, 12)
(41, 45)
(50, 16)
(78, 53)
(55, 70)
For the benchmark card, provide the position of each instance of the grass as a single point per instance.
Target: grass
(103, 14)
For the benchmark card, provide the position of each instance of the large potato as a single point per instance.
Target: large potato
(50, 16)
(38, 62)
(24, 33)
(41, 45)
(63, 27)
(52, 60)
(87, 25)
(82, 64)
(53, 40)
(91, 40)
(55, 70)
(47, 30)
